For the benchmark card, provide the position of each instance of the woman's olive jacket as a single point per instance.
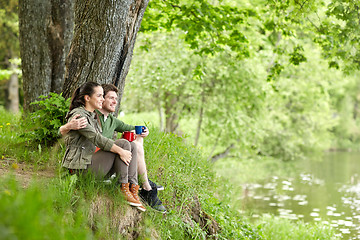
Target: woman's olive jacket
(81, 144)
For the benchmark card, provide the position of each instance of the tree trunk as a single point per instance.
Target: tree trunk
(46, 29)
(171, 113)
(12, 99)
(161, 115)
(103, 43)
(201, 116)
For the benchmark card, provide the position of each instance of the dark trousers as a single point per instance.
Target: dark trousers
(105, 163)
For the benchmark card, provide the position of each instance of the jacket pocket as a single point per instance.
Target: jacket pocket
(72, 156)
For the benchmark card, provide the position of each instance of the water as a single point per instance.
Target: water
(324, 191)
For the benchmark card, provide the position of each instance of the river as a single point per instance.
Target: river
(326, 191)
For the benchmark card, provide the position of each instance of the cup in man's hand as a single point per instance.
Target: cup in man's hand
(139, 129)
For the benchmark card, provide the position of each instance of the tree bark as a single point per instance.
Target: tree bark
(103, 43)
(171, 113)
(46, 29)
(223, 154)
(201, 116)
(12, 98)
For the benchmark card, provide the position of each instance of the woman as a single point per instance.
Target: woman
(114, 157)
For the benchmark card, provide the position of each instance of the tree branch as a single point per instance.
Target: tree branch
(222, 154)
(173, 5)
(357, 8)
(317, 28)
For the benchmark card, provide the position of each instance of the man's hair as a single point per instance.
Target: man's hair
(109, 87)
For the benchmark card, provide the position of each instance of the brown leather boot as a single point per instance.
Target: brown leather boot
(134, 189)
(129, 196)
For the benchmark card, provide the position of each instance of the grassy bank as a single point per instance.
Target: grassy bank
(199, 202)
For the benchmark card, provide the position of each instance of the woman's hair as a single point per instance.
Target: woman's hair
(78, 99)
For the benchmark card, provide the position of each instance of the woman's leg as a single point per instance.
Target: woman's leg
(131, 186)
(126, 173)
(104, 163)
(101, 163)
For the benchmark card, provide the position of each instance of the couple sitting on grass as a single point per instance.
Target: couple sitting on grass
(90, 148)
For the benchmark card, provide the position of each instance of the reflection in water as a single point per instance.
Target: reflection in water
(327, 191)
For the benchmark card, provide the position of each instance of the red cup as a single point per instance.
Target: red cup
(130, 136)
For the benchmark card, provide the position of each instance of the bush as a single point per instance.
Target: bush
(46, 121)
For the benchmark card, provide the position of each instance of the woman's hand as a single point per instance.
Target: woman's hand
(125, 156)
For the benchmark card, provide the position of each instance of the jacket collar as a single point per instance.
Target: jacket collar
(82, 110)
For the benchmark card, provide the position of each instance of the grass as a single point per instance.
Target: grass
(38, 213)
(276, 228)
(199, 202)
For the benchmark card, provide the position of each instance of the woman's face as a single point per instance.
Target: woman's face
(95, 100)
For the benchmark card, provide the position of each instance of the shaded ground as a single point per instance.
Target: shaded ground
(24, 172)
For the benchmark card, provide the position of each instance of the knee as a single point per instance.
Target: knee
(139, 148)
(133, 146)
(124, 144)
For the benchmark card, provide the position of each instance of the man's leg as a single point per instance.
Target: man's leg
(142, 171)
(148, 194)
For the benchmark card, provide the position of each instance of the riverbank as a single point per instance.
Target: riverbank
(199, 202)
(321, 190)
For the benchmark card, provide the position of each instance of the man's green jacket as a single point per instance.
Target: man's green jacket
(112, 124)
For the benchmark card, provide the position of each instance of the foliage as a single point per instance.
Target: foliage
(334, 25)
(12, 129)
(9, 29)
(338, 33)
(284, 116)
(47, 119)
(9, 45)
(172, 97)
(345, 98)
(195, 84)
(210, 26)
(6, 73)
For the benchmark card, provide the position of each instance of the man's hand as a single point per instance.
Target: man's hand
(77, 123)
(74, 124)
(145, 133)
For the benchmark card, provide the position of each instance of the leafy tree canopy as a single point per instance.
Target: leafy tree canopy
(335, 25)
(219, 25)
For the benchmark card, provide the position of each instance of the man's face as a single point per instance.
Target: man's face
(110, 102)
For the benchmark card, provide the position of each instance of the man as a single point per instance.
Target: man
(109, 124)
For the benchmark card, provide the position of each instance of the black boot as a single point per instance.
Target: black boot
(154, 185)
(151, 198)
